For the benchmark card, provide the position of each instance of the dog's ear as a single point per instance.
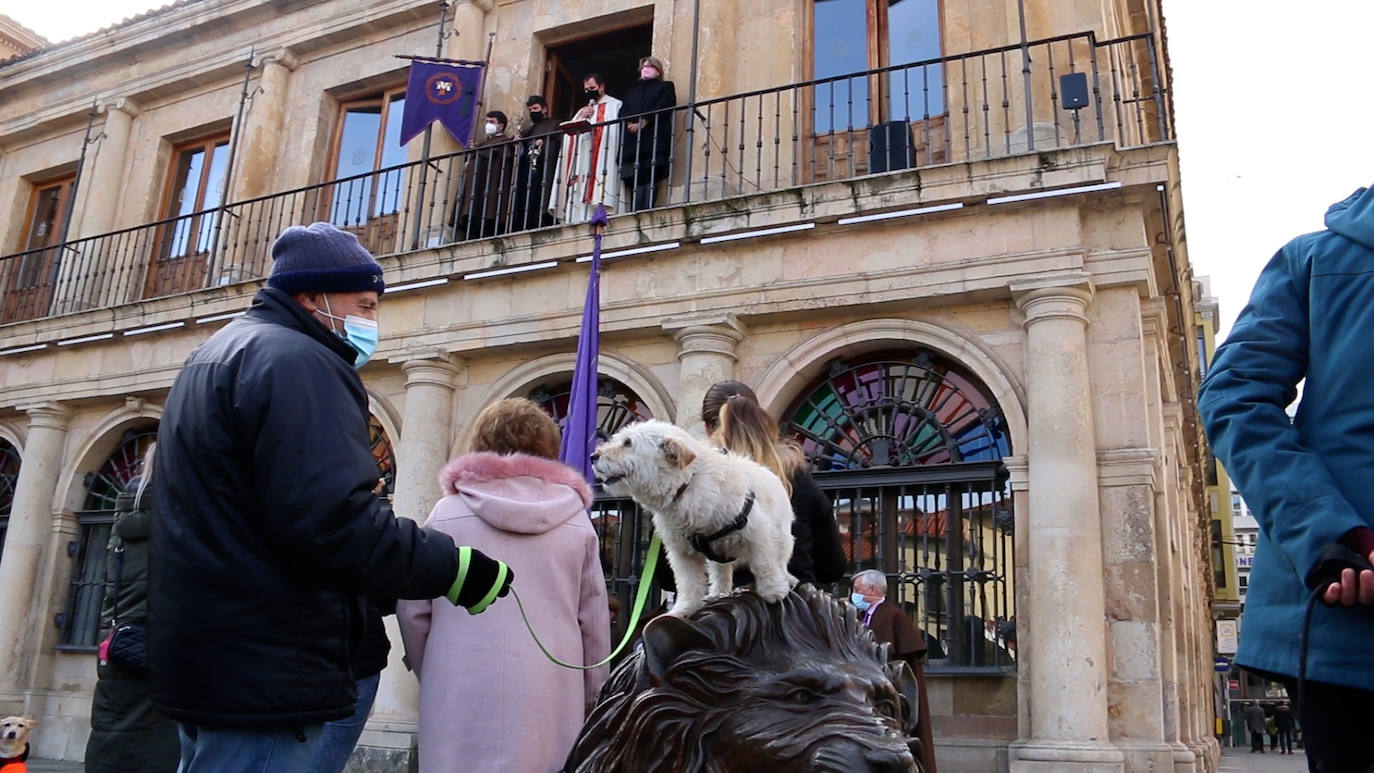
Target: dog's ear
(30, 723)
(667, 638)
(677, 454)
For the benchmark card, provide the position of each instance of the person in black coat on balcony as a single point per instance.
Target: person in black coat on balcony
(736, 421)
(268, 530)
(127, 735)
(646, 145)
(536, 160)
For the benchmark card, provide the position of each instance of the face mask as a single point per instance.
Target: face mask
(647, 73)
(591, 95)
(859, 602)
(536, 115)
(490, 129)
(360, 333)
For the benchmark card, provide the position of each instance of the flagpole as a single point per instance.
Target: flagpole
(424, 150)
(579, 431)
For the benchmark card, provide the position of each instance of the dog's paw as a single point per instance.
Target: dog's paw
(684, 609)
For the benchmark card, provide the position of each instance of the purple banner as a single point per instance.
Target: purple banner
(579, 431)
(443, 92)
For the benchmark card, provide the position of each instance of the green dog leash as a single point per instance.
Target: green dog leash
(646, 579)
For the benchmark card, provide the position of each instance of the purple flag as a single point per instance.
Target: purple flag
(446, 92)
(579, 431)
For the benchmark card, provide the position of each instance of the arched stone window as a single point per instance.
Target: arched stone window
(9, 477)
(909, 446)
(616, 404)
(80, 621)
(897, 409)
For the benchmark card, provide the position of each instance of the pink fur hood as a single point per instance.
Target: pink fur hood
(516, 492)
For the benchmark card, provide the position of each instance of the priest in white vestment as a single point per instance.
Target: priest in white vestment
(588, 168)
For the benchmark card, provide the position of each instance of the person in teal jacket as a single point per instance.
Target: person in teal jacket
(1310, 316)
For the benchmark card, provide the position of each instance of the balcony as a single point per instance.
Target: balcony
(1047, 95)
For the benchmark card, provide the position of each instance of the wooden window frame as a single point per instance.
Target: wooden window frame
(370, 98)
(206, 143)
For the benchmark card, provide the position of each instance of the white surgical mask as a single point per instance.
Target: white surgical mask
(859, 602)
(491, 129)
(360, 332)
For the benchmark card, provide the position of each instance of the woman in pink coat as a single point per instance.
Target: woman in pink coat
(489, 699)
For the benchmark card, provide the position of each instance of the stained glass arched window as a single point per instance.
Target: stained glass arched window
(895, 409)
(9, 475)
(122, 466)
(616, 404)
(384, 453)
(81, 620)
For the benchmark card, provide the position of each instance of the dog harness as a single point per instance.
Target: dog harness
(702, 542)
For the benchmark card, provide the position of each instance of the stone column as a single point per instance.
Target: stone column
(102, 183)
(248, 230)
(706, 353)
(425, 433)
(81, 282)
(1067, 650)
(1136, 676)
(421, 452)
(255, 164)
(25, 541)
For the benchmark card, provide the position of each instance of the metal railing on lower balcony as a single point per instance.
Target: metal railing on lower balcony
(1048, 94)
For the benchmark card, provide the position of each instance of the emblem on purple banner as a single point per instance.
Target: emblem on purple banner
(438, 91)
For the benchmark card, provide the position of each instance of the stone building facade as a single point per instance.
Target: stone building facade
(949, 255)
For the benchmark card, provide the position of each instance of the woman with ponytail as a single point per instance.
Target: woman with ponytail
(737, 422)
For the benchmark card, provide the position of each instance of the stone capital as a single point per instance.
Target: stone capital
(434, 369)
(124, 105)
(47, 415)
(1054, 296)
(1018, 472)
(1127, 467)
(484, 6)
(714, 334)
(283, 57)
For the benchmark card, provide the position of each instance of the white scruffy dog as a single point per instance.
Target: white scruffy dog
(697, 496)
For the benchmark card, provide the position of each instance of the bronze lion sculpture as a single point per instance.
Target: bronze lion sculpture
(743, 685)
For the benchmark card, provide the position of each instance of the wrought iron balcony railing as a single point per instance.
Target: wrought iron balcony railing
(1053, 93)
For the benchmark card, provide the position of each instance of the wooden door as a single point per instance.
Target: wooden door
(32, 275)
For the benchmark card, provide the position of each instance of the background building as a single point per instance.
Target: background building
(949, 255)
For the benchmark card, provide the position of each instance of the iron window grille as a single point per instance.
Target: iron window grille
(80, 620)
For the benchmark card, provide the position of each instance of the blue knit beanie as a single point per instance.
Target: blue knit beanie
(320, 258)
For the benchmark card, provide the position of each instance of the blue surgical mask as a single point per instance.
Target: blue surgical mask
(360, 333)
(859, 602)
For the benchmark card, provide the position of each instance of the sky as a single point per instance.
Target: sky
(1270, 107)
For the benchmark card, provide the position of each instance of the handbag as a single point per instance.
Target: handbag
(126, 644)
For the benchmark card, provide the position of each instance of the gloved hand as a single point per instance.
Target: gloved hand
(480, 580)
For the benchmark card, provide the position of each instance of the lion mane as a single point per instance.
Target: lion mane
(747, 685)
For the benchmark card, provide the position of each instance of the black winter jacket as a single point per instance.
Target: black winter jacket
(268, 532)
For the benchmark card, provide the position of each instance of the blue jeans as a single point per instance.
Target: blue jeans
(340, 736)
(212, 750)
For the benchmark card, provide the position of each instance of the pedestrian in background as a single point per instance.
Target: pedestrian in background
(817, 556)
(127, 735)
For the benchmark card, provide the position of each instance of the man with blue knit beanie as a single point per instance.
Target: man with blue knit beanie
(269, 536)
